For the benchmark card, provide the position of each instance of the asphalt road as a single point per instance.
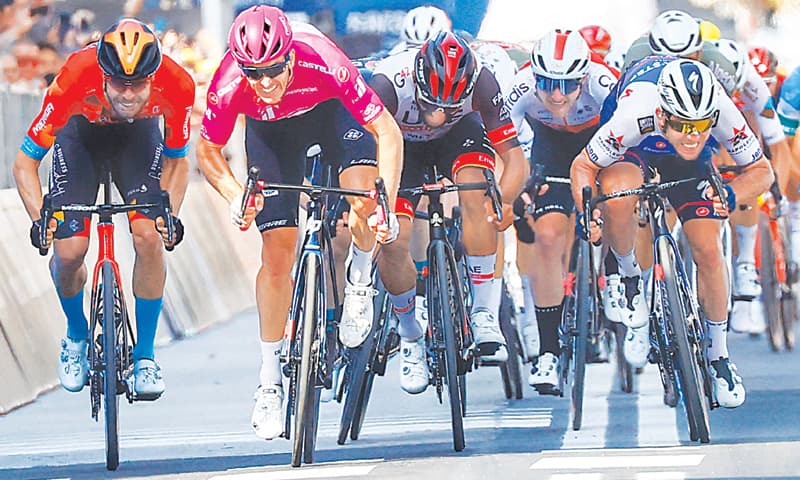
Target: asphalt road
(200, 428)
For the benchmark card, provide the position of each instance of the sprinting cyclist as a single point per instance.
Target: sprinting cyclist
(450, 110)
(789, 113)
(105, 104)
(420, 25)
(296, 89)
(598, 39)
(664, 112)
(560, 96)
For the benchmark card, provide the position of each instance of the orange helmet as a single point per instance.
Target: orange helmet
(129, 50)
(597, 37)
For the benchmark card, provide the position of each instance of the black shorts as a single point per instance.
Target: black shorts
(464, 145)
(688, 199)
(555, 149)
(279, 149)
(80, 150)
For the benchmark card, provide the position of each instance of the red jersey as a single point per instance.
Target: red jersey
(78, 90)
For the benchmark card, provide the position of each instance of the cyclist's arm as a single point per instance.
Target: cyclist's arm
(174, 179)
(390, 152)
(26, 174)
(582, 172)
(215, 168)
(516, 170)
(754, 180)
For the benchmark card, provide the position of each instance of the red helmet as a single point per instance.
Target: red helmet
(445, 70)
(764, 60)
(597, 37)
(259, 34)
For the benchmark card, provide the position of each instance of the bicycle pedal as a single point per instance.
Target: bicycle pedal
(546, 389)
(487, 349)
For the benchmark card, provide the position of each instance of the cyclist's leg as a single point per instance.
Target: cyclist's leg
(523, 229)
(265, 144)
(69, 172)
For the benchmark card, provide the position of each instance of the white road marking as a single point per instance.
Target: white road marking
(661, 476)
(577, 476)
(657, 422)
(300, 474)
(618, 461)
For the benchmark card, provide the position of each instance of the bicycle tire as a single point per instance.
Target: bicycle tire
(306, 379)
(584, 317)
(689, 370)
(789, 311)
(311, 425)
(110, 399)
(357, 372)
(446, 277)
(770, 288)
(624, 369)
(510, 370)
(361, 408)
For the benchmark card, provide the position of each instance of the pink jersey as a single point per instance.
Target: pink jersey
(322, 72)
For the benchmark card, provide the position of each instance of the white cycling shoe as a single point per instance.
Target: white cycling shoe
(73, 365)
(624, 300)
(414, 375)
(267, 419)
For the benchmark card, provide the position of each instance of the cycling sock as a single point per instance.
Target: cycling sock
(746, 239)
(628, 266)
(404, 307)
(527, 298)
(270, 373)
(610, 264)
(549, 318)
(359, 266)
(481, 275)
(77, 326)
(147, 313)
(718, 339)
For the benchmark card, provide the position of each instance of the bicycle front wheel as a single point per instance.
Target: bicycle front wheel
(111, 372)
(446, 279)
(305, 413)
(680, 315)
(771, 287)
(584, 310)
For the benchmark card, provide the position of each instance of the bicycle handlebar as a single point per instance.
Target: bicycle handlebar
(490, 186)
(48, 211)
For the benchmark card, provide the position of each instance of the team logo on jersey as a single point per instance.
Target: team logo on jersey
(468, 143)
(739, 135)
(626, 93)
(370, 111)
(661, 145)
(361, 88)
(497, 99)
(353, 134)
(400, 77)
(342, 74)
(702, 211)
(213, 99)
(646, 124)
(614, 141)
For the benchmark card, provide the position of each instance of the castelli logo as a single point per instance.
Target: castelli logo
(342, 74)
(213, 98)
(702, 211)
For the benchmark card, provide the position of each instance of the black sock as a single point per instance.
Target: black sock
(549, 318)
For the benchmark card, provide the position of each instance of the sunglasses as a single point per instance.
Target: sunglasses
(272, 71)
(121, 84)
(566, 86)
(430, 106)
(690, 126)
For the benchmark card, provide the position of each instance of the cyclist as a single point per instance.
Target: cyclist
(103, 105)
(560, 96)
(766, 64)
(789, 114)
(420, 25)
(753, 97)
(450, 110)
(297, 88)
(662, 115)
(598, 39)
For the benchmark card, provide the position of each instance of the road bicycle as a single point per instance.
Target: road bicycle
(110, 349)
(307, 339)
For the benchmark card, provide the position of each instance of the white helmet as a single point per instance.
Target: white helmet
(424, 23)
(615, 57)
(675, 33)
(737, 56)
(688, 89)
(561, 55)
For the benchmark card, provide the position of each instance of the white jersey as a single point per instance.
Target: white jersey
(756, 98)
(526, 107)
(634, 123)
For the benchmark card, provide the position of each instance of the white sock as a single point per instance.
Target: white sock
(746, 239)
(628, 266)
(717, 333)
(405, 308)
(529, 315)
(359, 262)
(270, 363)
(481, 274)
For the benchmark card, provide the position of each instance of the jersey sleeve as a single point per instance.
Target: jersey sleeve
(488, 100)
(623, 129)
(517, 103)
(61, 100)
(789, 103)
(219, 118)
(357, 97)
(179, 95)
(733, 133)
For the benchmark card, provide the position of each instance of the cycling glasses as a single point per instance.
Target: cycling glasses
(120, 84)
(430, 106)
(566, 86)
(690, 126)
(272, 71)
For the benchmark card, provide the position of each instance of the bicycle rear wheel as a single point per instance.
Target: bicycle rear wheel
(111, 372)
(510, 369)
(584, 310)
(307, 401)
(445, 276)
(688, 351)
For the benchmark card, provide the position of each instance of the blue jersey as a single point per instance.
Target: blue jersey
(789, 103)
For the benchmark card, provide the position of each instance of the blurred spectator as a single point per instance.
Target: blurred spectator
(10, 72)
(50, 62)
(30, 80)
(15, 21)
